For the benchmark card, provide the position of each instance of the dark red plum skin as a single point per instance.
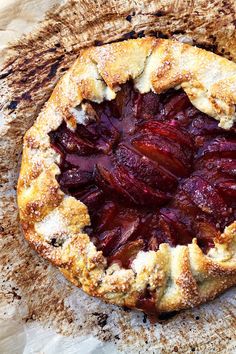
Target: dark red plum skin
(151, 169)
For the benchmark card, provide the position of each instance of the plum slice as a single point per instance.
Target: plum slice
(128, 227)
(145, 169)
(228, 190)
(224, 182)
(167, 231)
(87, 132)
(199, 224)
(108, 239)
(126, 254)
(90, 195)
(123, 105)
(206, 231)
(178, 135)
(102, 133)
(108, 134)
(93, 198)
(139, 191)
(219, 147)
(164, 151)
(72, 143)
(75, 178)
(114, 227)
(226, 166)
(130, 188)
(181, 230)
(205, 197)
(106, 180)
(147, 105)
(204, 125)
(175, 104)
(106, 215)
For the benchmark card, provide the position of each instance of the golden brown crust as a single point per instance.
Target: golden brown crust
(179, 277)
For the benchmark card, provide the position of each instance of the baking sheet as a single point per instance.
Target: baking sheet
(40, 312)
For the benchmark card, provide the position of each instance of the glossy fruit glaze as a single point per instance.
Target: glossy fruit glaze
(151, 169)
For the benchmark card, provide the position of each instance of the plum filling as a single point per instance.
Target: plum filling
(151, 169)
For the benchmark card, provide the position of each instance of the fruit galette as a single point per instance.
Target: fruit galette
(128, 177)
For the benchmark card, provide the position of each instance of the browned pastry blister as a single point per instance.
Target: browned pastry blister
(55, 224)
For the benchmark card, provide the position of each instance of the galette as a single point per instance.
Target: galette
(128, 175)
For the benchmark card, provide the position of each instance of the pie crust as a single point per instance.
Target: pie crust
(178, 277)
